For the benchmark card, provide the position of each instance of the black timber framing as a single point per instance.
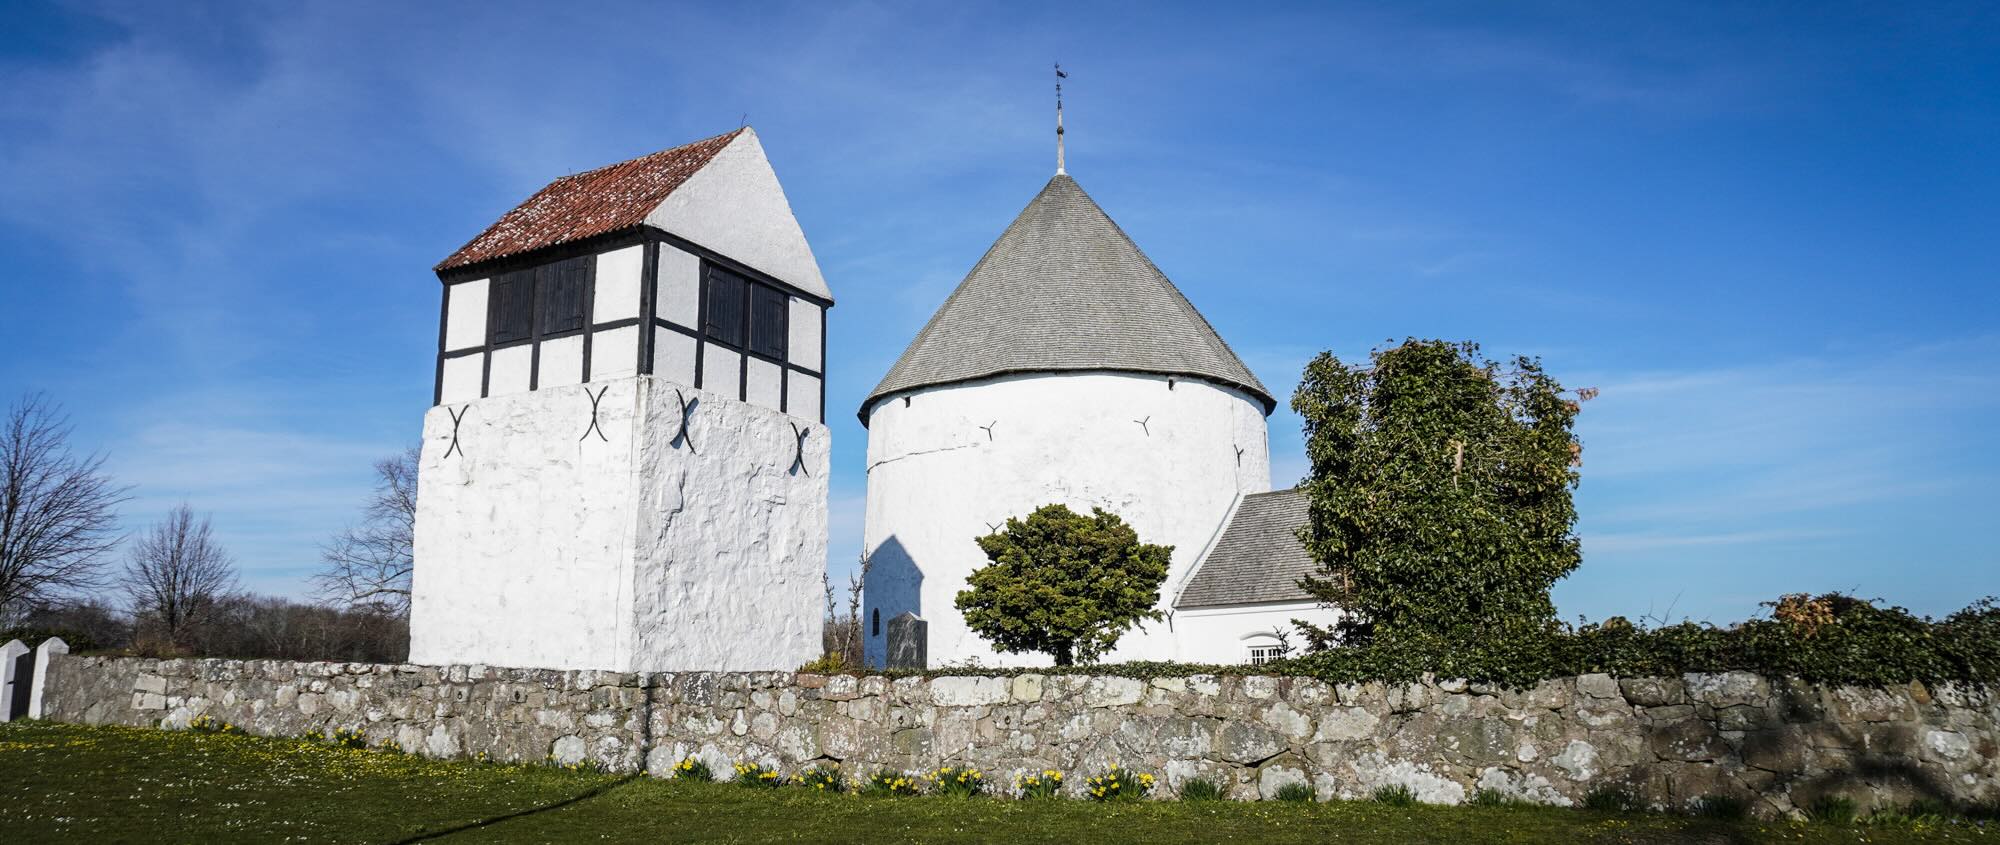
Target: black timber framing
(701, 340)
(444, 322)
(822, 363)
(535, 351)
(649, 304)
(700, 314)
(590, 318)
(651, 239)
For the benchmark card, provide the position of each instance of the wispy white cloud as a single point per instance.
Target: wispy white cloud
(1813, 472)
(276, 484)
(1843, 419)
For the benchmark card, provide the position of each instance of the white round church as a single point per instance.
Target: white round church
(1067, 369)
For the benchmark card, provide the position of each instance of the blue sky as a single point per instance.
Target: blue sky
(1765, 231)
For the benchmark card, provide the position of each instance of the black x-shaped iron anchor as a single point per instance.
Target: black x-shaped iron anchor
(593, 414)
(799, 436)
(687, 414)
(456, 417)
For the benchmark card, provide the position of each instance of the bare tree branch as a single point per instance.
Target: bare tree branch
(856, 583)
(57, 519)
(368, 564)
(177, 576)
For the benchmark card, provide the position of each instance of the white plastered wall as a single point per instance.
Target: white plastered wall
(803, 345)
(673, 356)
(614, 353)
(721, 370)
(731, 537)
(465, 315)
(509, 370)
(461, 378)
(937, 479)
(1224, 634)
(764, 384)
(802, 396)
(735, 206)
(561, 362)
(617, 284)
(539, 546)
(679, 284)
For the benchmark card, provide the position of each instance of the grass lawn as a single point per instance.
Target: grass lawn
(65, 783)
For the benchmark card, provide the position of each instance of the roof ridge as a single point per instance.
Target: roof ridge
(639, 158)
(599, 201)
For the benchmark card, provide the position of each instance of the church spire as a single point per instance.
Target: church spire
(1060, 76)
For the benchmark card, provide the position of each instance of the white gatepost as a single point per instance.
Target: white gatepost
(48, 649)
(10, 658)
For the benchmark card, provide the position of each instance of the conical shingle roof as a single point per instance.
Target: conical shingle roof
(1064, 289)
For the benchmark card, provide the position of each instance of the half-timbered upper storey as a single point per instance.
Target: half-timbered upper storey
(686, 264)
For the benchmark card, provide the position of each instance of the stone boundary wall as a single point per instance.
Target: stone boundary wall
(1779, 744)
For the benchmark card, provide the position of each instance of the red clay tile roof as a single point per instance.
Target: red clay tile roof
(589, 204)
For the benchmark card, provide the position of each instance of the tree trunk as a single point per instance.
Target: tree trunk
(1063, 654)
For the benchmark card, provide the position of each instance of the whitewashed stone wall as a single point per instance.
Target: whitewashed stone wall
(958, 460)
(1668, 741)
(634, 545)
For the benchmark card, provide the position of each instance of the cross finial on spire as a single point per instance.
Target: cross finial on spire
(1060, 76)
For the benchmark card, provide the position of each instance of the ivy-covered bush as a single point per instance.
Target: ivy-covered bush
(1440, 505)
(1864, 643)
(1845, 640)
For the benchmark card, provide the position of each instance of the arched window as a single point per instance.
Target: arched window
(875, 623)
(1263, 647)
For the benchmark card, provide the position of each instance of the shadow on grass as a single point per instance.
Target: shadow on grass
(489, 822)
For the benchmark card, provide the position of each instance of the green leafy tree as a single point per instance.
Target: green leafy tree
(1064, 584)
(1440, 494)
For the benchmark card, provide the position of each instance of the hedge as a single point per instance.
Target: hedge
(1827, 639)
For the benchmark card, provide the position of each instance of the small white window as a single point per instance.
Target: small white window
(1264, 647)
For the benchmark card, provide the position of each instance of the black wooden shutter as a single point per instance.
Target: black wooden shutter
(724, 321)
(511, 306)
(768, 307)
(561, 287)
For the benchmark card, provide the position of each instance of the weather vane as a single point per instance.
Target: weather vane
(1060, 76)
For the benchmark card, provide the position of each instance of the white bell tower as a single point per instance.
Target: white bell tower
(626, 466)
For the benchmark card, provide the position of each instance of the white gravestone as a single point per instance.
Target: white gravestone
(38, 691)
